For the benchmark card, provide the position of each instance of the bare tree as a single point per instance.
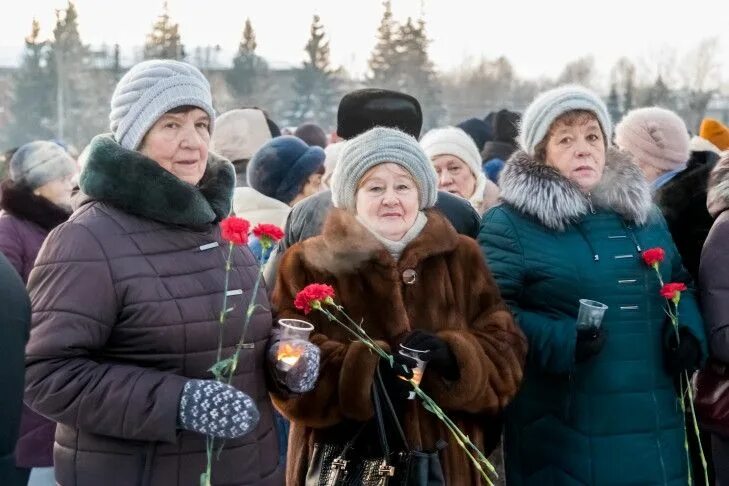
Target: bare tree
(580, 71)
(700, 73)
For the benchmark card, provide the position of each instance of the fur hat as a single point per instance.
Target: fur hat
(715, 132)
(550, 105)
(240, 133)
(654, 136)
(478, 130)
(149, 90)
(282, 165)
(38, 163)
(377, 146)
(452, 141)
(364, 109)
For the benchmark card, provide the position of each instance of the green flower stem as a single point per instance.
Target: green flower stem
(686, 390)
(478, 460)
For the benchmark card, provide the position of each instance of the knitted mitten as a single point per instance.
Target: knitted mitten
(302, 377)
(213, 408)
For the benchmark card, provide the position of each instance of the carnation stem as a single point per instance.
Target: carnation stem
(478, 460)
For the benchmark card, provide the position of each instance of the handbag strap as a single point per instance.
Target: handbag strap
(391, 408)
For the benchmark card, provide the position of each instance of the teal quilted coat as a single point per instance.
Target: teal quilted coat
(614, 419)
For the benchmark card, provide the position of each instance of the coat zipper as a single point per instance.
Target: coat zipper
(589, 202)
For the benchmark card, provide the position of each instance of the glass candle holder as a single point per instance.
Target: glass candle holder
(293, 340)
(419, 356)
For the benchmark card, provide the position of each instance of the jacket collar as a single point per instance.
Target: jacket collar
(22, 203)
(132, 182)
(345, 244)
(540, 191)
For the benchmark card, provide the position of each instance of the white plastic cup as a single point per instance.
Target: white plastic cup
(293, 340)
(591, 314)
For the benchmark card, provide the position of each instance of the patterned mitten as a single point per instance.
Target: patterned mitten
(302, 377)
(216, 409)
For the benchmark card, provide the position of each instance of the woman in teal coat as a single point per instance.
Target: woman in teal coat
(597, 406)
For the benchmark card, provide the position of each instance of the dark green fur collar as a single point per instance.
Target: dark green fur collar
(137, 185)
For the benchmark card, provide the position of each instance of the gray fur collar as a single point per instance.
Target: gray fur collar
(540, 191)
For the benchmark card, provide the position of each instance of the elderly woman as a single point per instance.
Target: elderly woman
(35, 199)
(458, 164)
(125, 300)
(598, 404)
(401, 268)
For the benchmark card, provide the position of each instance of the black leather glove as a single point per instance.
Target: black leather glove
(397, 388)
(440, 357)
(589, 343)
(682, 354)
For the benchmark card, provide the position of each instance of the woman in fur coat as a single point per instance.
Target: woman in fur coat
(598, 405)
(398, 265)
(35, 199)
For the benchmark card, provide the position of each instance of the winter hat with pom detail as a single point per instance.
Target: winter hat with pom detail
(149, 90)
(654, 136)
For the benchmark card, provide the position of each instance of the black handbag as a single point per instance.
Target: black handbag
(345, 464)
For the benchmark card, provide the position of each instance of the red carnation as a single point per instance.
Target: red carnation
(673, 290)
(654, 256)
(268, 234)
(312, 296)
(235, 230)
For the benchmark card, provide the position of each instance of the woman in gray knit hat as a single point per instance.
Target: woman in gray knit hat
(126, 297)
(400, 267)
(598, 404)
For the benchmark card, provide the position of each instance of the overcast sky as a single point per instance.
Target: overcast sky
(539, 37)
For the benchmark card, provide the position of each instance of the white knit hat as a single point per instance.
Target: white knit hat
(378, 146)
(38, 163)
(453, 141)
(149, 90)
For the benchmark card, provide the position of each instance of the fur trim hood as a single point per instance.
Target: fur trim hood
(20, 201)
(132, 182)
(540, 191)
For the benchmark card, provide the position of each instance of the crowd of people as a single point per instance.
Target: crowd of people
(473, 245)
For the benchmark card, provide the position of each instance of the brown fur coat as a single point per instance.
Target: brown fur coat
(454, 296)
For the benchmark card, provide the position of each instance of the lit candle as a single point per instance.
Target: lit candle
(288, 355)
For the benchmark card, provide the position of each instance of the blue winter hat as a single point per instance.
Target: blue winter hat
(149, 90)
(550, 105)
(478, 130)
(282, 165)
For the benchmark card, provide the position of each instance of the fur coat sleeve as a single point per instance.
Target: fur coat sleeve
(490, 350)
(346, 370)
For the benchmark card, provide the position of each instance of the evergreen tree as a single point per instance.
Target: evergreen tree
(79, 115)
(415, 72)
(384, 55)
(164, 40)
(659, 94)
(247, 78)
(31, 110)
(613, 104)
(316, 83)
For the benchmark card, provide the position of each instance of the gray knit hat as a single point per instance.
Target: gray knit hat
(377, 146)
(549, 105)
(38, 163)
(149, 90)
